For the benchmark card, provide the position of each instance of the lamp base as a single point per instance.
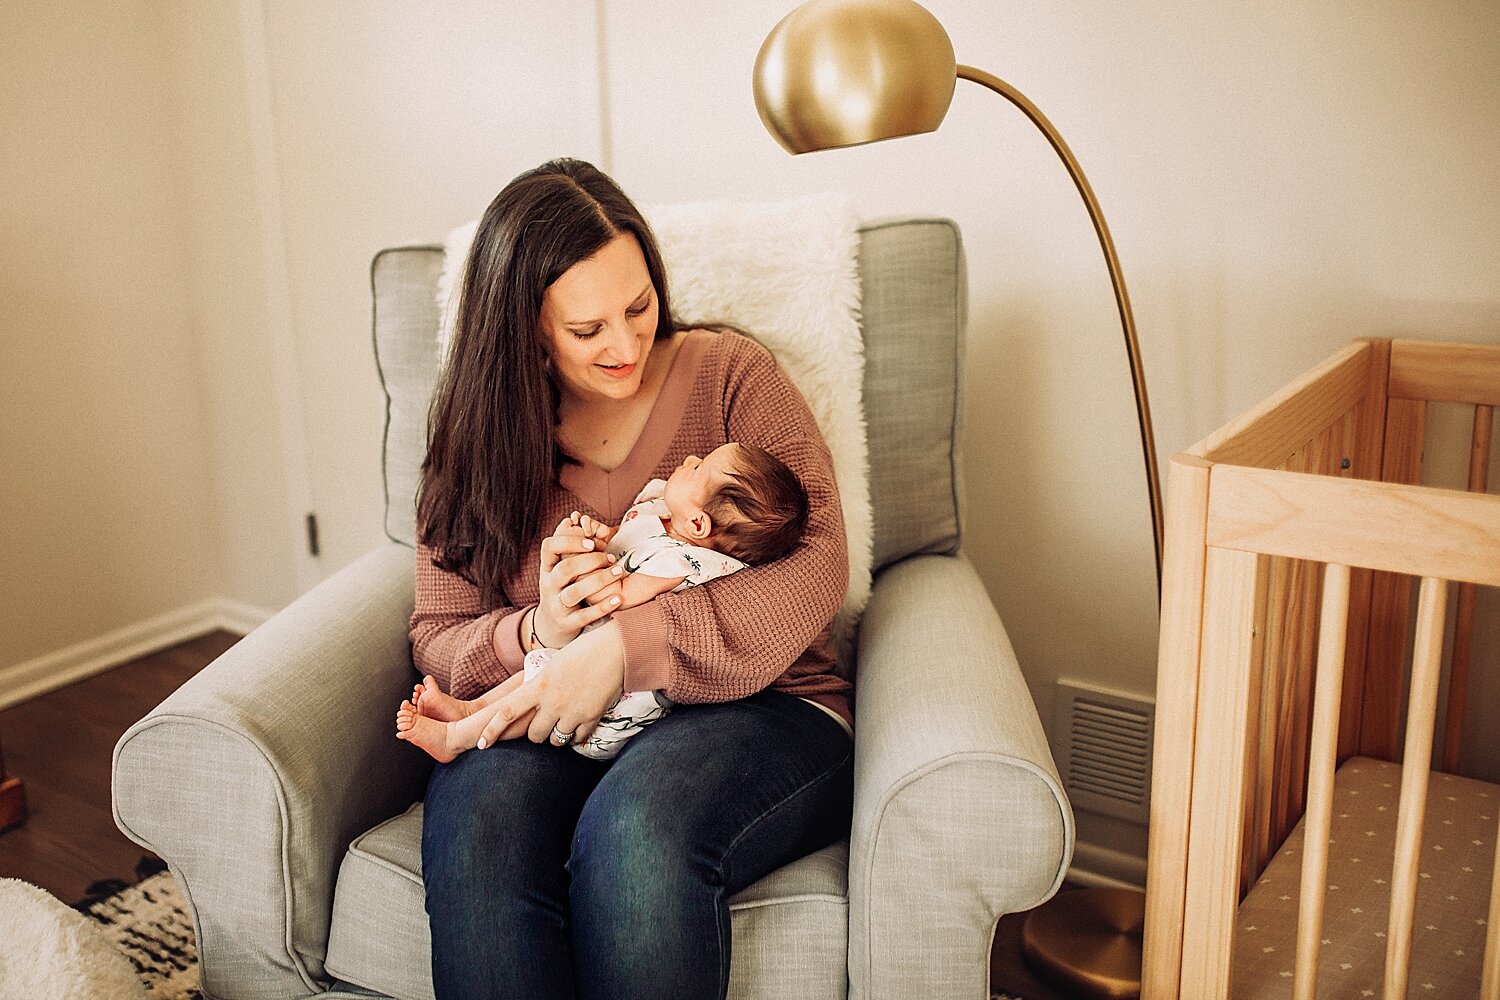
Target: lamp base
(1088, 941)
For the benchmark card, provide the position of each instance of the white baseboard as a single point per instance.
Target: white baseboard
(1096, 866)
(22, 681)
(241, 618)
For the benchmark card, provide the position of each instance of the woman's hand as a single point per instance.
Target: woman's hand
(574, 568)
(579, 684)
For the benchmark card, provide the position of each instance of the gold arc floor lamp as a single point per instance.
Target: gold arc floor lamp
(839, 73)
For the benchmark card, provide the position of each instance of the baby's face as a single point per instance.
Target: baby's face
(697, 479)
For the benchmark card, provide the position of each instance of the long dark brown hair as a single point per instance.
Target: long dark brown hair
(491, 442)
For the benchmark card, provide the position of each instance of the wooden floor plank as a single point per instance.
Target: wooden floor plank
(60, 745)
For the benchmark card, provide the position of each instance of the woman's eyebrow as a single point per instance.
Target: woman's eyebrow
(590, 322)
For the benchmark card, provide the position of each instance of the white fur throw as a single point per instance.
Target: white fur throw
(48, 949)
(784, 272)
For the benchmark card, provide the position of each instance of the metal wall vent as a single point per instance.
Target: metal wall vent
(1105, 750)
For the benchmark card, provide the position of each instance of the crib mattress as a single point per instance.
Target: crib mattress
(1458, 855)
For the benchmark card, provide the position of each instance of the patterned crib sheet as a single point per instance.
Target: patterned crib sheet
(1453, 891)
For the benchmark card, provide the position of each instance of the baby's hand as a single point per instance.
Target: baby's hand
(595, 529)
(568, 526)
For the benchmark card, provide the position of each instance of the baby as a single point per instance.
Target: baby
(738, 506)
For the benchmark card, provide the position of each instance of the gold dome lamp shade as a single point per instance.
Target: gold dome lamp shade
(837, 73)
(845, 72)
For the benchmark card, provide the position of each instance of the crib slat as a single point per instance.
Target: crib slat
(1463, 628)
(1390, 594)
(1489, 988)
(1366, 453)
(1302, 632)
(1261, 711)
(1265, 711)
(1416, 765)
(1332, 640)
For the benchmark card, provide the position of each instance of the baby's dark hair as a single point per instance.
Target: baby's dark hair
(761, 512)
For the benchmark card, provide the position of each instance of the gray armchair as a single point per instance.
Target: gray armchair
(274, 787)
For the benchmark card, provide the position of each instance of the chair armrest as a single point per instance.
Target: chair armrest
(253, 777)
(959, 815)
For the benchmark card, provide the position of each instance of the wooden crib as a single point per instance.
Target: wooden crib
(1293, 538)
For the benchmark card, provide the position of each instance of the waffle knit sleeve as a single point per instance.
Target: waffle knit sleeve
(466, 646)
(734, 636)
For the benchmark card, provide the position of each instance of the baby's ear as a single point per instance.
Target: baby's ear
(700, 526)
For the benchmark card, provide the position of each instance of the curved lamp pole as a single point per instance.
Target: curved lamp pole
(845, 72)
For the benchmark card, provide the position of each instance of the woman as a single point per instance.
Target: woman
(568, 388)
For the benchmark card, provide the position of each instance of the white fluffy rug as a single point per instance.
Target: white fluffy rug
(786, 273)
(48, 949)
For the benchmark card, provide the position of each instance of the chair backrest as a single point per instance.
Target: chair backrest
(914, 306)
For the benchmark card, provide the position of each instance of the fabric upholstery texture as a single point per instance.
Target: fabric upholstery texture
(251, 780)
(405, 316)
(380, 937)
(914, 315)
(950, 765)
(273, 786)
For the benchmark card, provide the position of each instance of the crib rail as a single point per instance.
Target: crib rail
(1308, 500)
(1413, 530)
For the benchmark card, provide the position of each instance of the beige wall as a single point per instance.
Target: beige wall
(1279, 179)
(311, 136)
(229, 290)
(394, 124)
(198, 190)
(105, 511)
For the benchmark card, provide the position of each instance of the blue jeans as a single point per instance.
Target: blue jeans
(550, 875)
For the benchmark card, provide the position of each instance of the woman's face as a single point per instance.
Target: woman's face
(598, 321)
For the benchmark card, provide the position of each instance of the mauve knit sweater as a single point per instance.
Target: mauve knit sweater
(765, 626)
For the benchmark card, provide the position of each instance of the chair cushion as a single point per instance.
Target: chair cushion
(912, 276)
(914, 304)
(406, 319)
(790, 929)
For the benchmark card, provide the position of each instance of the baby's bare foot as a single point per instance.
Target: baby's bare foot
(429, 734)
(429, 700)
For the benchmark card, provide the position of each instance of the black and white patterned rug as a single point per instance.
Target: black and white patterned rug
(150, 924)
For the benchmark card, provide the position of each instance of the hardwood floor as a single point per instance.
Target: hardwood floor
(60, 746)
